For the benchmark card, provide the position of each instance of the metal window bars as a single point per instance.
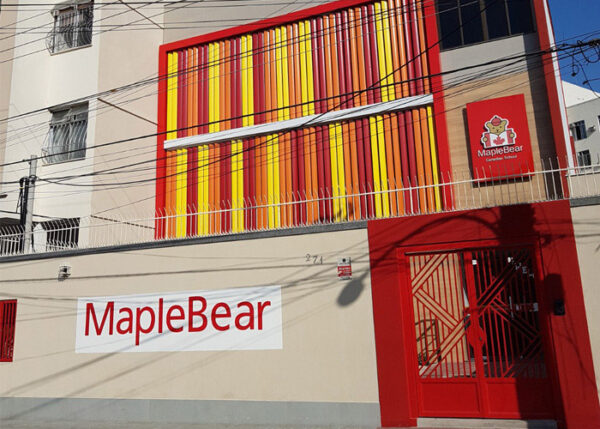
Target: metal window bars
(72, 28)
(549, 183)
(67, 137)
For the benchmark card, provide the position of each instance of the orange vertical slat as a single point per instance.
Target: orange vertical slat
(423, 43)
(391, 173)
(402, 47)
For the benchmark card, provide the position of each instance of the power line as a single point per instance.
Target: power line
(353, 94)
(474, 77)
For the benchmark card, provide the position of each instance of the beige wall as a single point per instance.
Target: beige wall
(192, 19)
(7, 21)
(126, 57)
(328, 344)
(586, 223)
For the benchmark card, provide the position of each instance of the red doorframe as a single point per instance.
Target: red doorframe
(550, 227)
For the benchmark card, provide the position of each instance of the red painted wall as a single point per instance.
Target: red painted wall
(549, 227)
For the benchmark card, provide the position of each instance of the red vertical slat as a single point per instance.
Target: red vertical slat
(347, 58)
(416, 49)
(410, 66)
(366, 41)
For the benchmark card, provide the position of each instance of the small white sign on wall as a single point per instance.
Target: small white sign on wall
(227, 319)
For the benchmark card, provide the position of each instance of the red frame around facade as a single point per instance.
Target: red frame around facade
(431, 34)
(557, 112)
(545, 225)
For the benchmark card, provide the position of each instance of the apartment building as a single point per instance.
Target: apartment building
(365, 213)
(583, 110)
(66, 69)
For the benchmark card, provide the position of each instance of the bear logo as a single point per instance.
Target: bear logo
(498, 134)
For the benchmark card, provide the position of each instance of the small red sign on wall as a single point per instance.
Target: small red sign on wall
(499, 138)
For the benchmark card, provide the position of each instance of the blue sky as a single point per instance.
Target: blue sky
(571, 19)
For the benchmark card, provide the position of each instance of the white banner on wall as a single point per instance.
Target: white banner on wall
(227, 319)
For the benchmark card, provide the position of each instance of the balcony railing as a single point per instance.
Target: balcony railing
(298, 211)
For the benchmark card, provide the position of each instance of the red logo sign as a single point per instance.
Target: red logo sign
(499, 138)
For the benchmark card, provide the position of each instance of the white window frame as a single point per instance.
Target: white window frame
(582, 156)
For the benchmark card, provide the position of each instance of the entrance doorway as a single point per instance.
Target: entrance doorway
(478, 343)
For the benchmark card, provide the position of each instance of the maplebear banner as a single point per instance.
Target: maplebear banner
(226, 319)
(499, 138)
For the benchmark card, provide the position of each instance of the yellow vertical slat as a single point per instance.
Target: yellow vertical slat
(434, 161)
(303, 69)
(171, 126)
(389, 68)
(383, 80)
(172, 96)
(375, 161)
(339, 145)
(285, 76)
(385, 200)
(309, 69)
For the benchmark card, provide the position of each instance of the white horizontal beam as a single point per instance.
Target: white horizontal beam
(305, 121)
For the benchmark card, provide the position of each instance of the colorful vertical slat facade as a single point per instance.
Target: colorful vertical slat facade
(366, 54)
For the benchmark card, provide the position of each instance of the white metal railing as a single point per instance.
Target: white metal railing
(300, 210)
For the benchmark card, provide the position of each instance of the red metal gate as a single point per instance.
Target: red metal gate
(479, 350)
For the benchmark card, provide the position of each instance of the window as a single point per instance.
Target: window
(68, 132)
(578, 130)
(8, 315)
(72, 27)
(584, 158)
(464, 22)
(60, 234)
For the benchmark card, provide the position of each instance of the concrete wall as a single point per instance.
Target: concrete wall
(586, 223)
(189, 20)
(327, 360)
(127, 114)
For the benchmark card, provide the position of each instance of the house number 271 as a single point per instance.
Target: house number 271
(316, 259)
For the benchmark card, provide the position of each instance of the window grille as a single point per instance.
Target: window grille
(8, 315)
(68, 132)
(61, 234)
(72, 27)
